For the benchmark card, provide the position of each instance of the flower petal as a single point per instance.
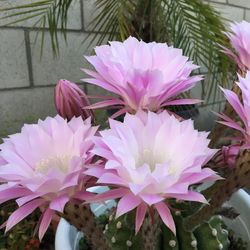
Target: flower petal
(151, 199)
(13, 192)
(22, 212)
(126, 204)
(59, 202)
(110, 178)
(140, 215)
(109, 195)
(166, 216)
(191, 196)
(45, 221)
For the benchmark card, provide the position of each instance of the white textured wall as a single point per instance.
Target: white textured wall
(26, 82)
(233, 10)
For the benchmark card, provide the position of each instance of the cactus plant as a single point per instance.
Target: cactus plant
(209, 235)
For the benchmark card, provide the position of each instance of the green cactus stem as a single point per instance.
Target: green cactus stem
(186, 239)
(207, 236)
(81, 216)
(120, 233)
(210, 235)
(222, 190)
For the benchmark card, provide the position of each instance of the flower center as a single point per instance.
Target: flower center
(59, 162)
(149, 157)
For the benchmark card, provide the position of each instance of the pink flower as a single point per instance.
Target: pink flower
(145, 76)
(71, 101)
(241, 108)
(240, 40)
(151, 158)
(42, 167)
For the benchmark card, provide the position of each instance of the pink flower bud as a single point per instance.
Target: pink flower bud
(71, 101)
(230, 154)
(226, 157)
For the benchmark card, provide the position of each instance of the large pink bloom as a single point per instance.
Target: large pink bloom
(241, 108)
(145, 76)
(42, 167)
(150, 158)
(240, 40)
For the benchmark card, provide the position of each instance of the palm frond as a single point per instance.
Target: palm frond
(113, 20)
(198, 30)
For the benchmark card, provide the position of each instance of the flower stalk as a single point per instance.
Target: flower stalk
(81, 216)
(150, 230)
